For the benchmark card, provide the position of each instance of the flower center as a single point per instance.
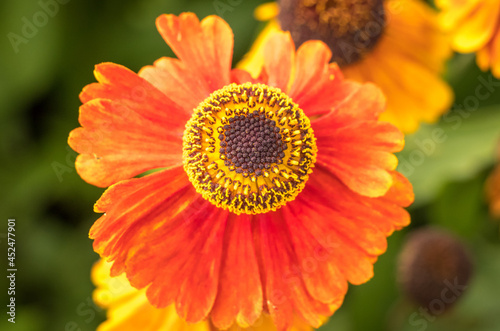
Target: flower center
(351, 28)
(248, 148)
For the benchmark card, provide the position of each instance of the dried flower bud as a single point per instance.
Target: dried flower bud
(434, 269)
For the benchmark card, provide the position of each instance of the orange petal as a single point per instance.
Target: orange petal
(477, 28)
(312, 65)
(119, 83)
(384, 214)
(359, 154)
(339, 251)
(493, 192)
(455, 11)
(180, 83)
(182, 262)
(240, 291)
(494, 51)
(351, 227)
(163, 234)
(315, 79)
(279, 53)
(133, 108)
(361, 102)
(240, 76)
(285, 290)
(489, 56)
(206, 47)
(401, 192)
(127, 202)
(404, 92)
(117, 142)
(321, 274)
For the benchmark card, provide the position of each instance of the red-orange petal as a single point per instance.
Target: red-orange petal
(356, 151)
(126, 203)
(125, 128)
(240, 291)
(182, 261)
(285, 291)
(353, 228)
(361, 102)
(317, 85)
(165, 236)
(240, 76)
(279, 54)
(311, 65)
(116, 142)
(341, 251)
(322, 276)
(205, 48)
(116, 82)
(179, 82)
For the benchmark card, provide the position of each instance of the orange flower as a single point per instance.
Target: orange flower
(475, 27)
(275, 192)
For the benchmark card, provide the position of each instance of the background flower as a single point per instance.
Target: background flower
(405, 55)
(475, 28)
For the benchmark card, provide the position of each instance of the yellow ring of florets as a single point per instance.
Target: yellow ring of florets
(241, 191)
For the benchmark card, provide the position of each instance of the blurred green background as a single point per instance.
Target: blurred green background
(40, 79)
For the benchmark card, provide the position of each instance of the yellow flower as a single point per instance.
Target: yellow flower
(397, 44)
(475, 27)
(129, 309)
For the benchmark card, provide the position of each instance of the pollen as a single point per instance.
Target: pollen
(351, 28)
(249, 148)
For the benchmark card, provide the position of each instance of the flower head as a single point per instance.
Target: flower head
(346, 26)
(274, 192)
(433, 264)
(259, 147)
(475, 27)
(396, 44)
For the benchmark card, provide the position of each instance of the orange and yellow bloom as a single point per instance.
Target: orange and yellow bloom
(475, 27)
(396, 44)
(270, 193)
